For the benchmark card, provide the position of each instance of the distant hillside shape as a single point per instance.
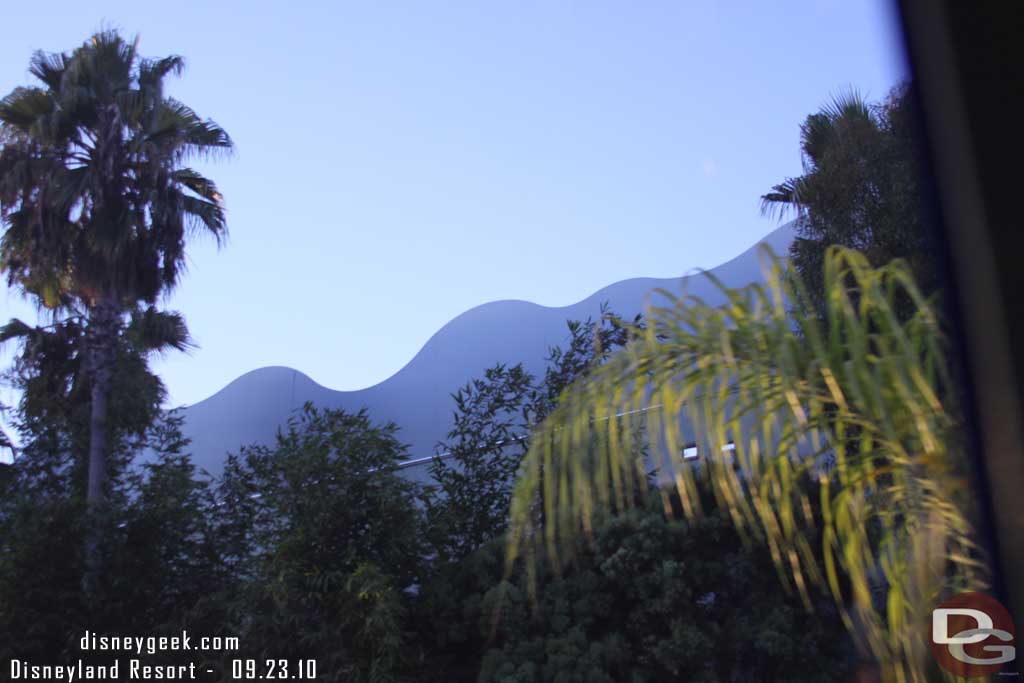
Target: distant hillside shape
(418, 397)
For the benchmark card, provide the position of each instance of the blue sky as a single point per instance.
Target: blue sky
(400, 163)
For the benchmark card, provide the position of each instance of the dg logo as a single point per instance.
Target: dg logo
(972, 635)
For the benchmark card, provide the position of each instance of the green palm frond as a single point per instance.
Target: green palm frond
(154, 330)
(153, 71)
(849, 104)
(783, 198)
(844, 112)
(201, 185)
(48, 68)
(196, 136)
(106, 63)
(204, 216)
(853, 406)
(24, 106)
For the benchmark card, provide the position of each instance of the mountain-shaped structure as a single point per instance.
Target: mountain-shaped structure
(418, 397)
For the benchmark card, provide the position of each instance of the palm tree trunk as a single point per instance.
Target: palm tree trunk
(102, 344)
(98, 438)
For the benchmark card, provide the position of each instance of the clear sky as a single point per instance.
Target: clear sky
(401, 162)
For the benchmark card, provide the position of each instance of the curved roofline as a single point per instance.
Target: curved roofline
(440, 331)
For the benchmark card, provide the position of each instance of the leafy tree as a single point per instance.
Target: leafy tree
(155, 541)
(590, 344)
(157, 546)
(469, 511)
(861, 387)
(167, 537)
(859, 189)
(96, 200)
(492, 421)
(487, 441)
(449, 618)
(655, 599)
(45, 509)
(40, 568)
(334, 537)
(650, 599)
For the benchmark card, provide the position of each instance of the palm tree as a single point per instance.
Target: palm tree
(783, 405)
(859, 188)
(97, 199)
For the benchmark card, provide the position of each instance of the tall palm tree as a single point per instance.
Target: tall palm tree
(784, 405)
(97, 198)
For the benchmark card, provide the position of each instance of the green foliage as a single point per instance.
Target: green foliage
(40, 571)
(167, 534)
(590, 344)
(626, 608)
(96, 202)
(651, 599)
(94, 194)
(487, 441)
(55, 386)
(313, 547)
(492, 421)
(850, 401)
(158, 564)
(158, 545)
(334, 536)
(859, 190)
(449, 619)
(156, 529)
(846, 465)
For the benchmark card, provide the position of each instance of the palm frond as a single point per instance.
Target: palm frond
(107, 62)
(783, 198)
(197, 136)
(817, 134)
(154, 330)
(153, 71)
(205, 217)
(49, 67)
(854, 405)
(845, 112)
(198, 183)
(23, 107)
(849, 104)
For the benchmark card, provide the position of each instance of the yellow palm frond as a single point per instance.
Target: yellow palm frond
(853, 406)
